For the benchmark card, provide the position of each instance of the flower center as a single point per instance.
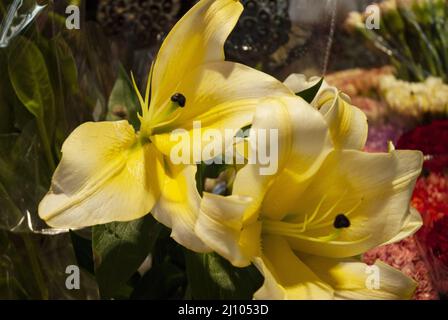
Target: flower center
(167, 114)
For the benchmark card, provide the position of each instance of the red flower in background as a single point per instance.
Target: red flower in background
(437, 240)
(430, 198)
(432, 140)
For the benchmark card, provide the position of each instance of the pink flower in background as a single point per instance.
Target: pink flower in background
(380, 134)
(405, 256)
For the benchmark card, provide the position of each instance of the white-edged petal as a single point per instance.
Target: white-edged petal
(353, 279)
(106, 174)
(223, 226)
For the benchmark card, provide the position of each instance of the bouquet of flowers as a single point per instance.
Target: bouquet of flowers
(296, 200)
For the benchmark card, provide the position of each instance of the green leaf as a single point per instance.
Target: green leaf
(6, 120)
(119, 248)
(63, 74)
(83, 251)
(14, 115)
(123, 101)
(309, 94)
(11, 215)
(212, 277)
(30, 80)
(166, 279)
(66, 62)
(163, 281)
(52, 255)
(24, 175)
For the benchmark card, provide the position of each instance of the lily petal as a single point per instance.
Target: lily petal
(286, 276)
(222, 226)
(353, 279)
(196, 39)
(347, 123)
(106, 174)
(178, 205)
(410, 226)
(372, 190)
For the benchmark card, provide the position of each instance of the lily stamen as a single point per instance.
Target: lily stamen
(298, 227)
(347, 214)
(333, 207)
(341, 221)
(179, 99)
(316, 211)
(296, 230)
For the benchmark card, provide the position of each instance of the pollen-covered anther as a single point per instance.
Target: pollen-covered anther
(341, 221)
(179, 98)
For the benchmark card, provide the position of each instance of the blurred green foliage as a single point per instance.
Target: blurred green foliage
(414, 35)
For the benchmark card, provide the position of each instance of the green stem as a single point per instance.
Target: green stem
(46, 143)
(35, 266)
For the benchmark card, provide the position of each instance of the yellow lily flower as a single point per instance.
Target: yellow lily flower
(347, 123)
(108, 172)
(304, 226)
